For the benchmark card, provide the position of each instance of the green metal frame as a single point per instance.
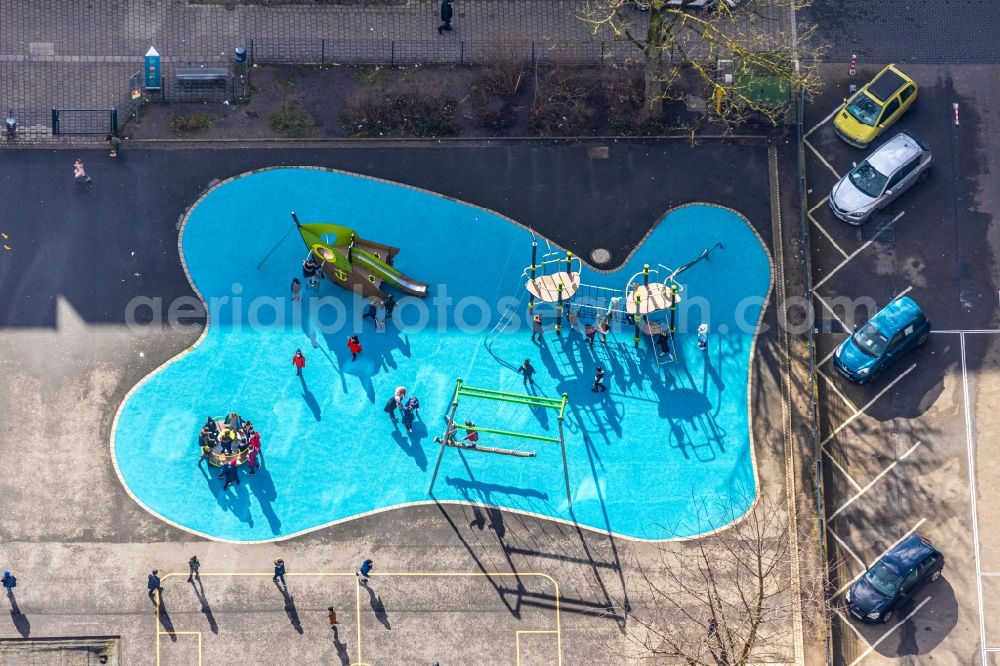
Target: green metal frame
(461, 390)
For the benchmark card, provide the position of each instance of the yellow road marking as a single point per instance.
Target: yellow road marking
(357, 600)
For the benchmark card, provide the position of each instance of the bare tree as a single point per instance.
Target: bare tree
(747, 36)
(724, 599)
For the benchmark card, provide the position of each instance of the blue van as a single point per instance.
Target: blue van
(895, 330)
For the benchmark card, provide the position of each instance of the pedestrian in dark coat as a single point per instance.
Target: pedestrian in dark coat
(279, 572)
(446, 13)
(390, 408)
(364, 570)
(9, 582)
(230, 474)
(599, 380)
(153, 583)
(390, 305)
(408, 417)
(527, 372)
(193, 566)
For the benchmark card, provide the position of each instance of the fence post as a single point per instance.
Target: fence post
(322, 51)
(532, 53)
(252, 54)
(114, 121)
(392, 54)
(55, 121)
(602, 51)
(461, 53)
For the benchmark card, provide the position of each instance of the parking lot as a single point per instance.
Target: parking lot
(902, 455)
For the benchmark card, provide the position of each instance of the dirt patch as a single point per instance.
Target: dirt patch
(506, 98)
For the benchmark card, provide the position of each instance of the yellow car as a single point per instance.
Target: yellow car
(875, 107)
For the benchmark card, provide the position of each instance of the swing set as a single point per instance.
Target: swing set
(450, 439)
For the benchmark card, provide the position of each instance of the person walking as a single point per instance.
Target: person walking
(703, 337)
(527, 372)
(591, 333)
(153, 583)
(279, 572)
(536, 328)
(331, 617)
(296, 290)
(413, 404)
(309, 271)
(370, 307)
(447, 11)
(193, 566)
(599, 380)
(354, 344)
(9, 582)
(664, 344)
(254, 444)
(364, 570)
(80, 175)
(299, 361)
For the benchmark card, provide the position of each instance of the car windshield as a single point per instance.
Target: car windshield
(884, 579)
(864, 109)
(868, 179)
(870, 341)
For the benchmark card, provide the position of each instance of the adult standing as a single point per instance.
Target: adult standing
(9, 582)
(536, 328)
(527, 372)
(193, 566)
(447, 11)
(703, 337)
(364, 570)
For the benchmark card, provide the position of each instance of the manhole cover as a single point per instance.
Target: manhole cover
(600, 256)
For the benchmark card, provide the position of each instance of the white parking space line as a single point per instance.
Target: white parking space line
(870, 403)
(823, 122)
(873, 481)
(970, 450)
(830, 310)
(852, 255)
(843, 471)
(823, 160)
(903, 293)
(829, 356)
(853, 628)
(970, 331)
(833, 385)
(886, 634)
(827, 234)
(990, 573)
(846, 547)
(882, 554)
(819, 205)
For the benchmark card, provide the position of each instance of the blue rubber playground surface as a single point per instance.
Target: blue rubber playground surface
(664, 453)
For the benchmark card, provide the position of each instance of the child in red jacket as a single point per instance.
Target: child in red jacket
(355, 346)
(299, 361)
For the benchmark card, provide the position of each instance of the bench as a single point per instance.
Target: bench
(202, 75)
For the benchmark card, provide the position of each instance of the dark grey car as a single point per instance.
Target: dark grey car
(875, 183)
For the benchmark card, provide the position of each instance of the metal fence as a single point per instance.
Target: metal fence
(318, 51)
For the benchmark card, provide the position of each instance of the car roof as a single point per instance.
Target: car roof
(894, 153)
(907, 554)
(886, 84)
(896, 315)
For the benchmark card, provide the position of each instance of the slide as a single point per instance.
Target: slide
(388, 274)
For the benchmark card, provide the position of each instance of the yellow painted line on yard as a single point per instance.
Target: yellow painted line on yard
(357, 600)
(517, 640)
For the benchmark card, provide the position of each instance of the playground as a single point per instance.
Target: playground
(665, 452)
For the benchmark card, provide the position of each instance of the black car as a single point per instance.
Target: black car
(894, 579)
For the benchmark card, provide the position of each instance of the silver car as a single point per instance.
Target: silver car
(888, 172)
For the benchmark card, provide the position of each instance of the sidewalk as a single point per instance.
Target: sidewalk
(54, 53)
